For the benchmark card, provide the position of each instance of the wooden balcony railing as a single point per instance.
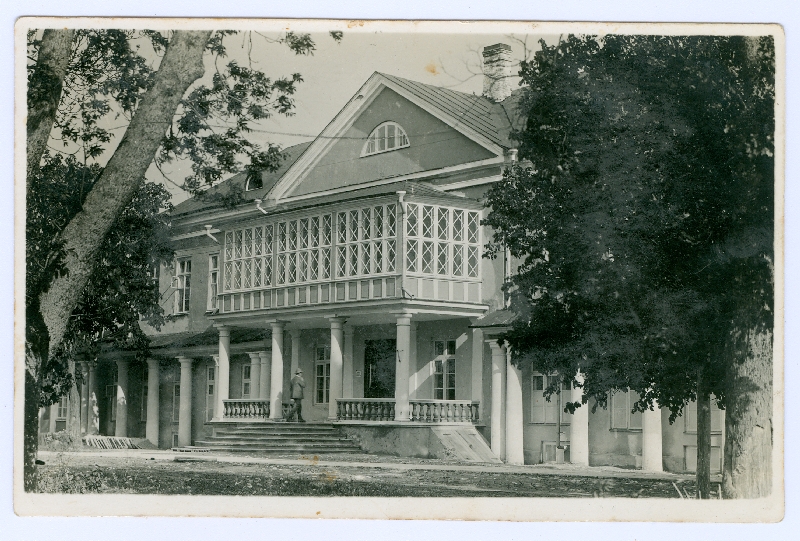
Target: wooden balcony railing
(246, 409)
(444, 411)
(421, 411)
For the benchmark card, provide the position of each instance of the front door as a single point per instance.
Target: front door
(379, 368)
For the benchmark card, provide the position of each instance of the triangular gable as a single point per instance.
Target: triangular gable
(486, 148)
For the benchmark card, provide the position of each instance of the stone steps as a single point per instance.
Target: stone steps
(276, 438)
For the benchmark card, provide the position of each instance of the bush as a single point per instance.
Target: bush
(58, 441)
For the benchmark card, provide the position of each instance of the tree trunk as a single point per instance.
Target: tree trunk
(703, 438)
(44, 92)
(747, 470)
(181, 66)
(30, 431)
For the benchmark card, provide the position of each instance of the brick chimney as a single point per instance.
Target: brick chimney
(497, 72)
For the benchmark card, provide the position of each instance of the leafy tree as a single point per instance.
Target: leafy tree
(123, 287)
(169, 116)
(642, 216)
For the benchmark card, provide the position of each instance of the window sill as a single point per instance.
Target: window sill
(694, 432)
(548, 424)
(635, 430)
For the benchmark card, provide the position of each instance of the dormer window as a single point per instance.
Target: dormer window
(388, 136)
(253, 181)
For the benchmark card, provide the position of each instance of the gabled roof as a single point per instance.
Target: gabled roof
(268, 180)
(473, 111)
(477, 114)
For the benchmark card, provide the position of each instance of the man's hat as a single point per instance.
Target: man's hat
(298, 371)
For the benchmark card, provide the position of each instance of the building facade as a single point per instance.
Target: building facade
(360, 262)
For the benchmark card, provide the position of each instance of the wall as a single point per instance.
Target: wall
(432, 145)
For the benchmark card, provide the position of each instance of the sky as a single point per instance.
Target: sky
(335, 72)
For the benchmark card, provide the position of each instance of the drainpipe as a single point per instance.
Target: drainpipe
(401, 244)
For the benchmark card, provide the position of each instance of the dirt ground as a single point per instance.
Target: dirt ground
(80, 473)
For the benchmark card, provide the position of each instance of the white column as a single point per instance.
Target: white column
(295, 335)
(337, 341)
(185, 411)
(223, 372)
(264, 376)
(652, 459)
(151, 428)
(347, 363)
(84, 397)
(498, 426)
(477, 371)
(515, 453)
(53, 416)
(276, 382)
(413, 363)
(255, 374)
(579, 427)
(94, 396)
(121, 425)
(402, 368)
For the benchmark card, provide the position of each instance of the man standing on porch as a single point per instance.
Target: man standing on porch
(298, 388)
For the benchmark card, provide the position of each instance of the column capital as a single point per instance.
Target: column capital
(122, 362)
(277, 326)
(184, 360)
(254, 355)
(223, 330)
(264, 356)
(215, 358)
(295, 333)
(337, 322)
(495, 344)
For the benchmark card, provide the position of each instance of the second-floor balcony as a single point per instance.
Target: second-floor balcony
(390, 249)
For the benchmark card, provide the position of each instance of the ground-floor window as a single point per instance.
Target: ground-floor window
(690, 418)
(444, 370)
(322, 371)
(690, 458)
(176, 402)
(61, 414)
(211, 373)
(622, 416)
(544, 411)
(246, 380)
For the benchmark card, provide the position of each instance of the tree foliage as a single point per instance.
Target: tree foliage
(123, 287)
(642, 211)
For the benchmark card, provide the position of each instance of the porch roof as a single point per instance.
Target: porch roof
(498, 318)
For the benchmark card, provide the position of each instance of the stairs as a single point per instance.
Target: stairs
(279, 438)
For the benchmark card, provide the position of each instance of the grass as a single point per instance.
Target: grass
(140, 476)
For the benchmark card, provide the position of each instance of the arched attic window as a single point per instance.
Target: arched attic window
(387, 136)
(253, 181)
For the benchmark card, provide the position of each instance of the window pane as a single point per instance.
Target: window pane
(472, 262)
(326, 230)
(438, 349)
(427, 221)
(472, 228)
(341, 227)
(248, 243)
(458, 225)
(378, 222)
(427, 257)
(411, 255)
(441, 258)
(411, 220)
(314, 232)
(390, 220)
(451, 347)
(390, 256)
(303, 233)
(443, 215)
(353, 226)
(258, 241)
(458, 260)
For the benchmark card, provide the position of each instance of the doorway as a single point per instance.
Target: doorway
(379, 368)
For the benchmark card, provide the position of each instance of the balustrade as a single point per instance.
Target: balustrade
(444, 411)
(422, 411)
(246, 409)
(365, 409)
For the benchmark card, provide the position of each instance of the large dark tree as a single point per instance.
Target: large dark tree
(643, 217)
(167, 116)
